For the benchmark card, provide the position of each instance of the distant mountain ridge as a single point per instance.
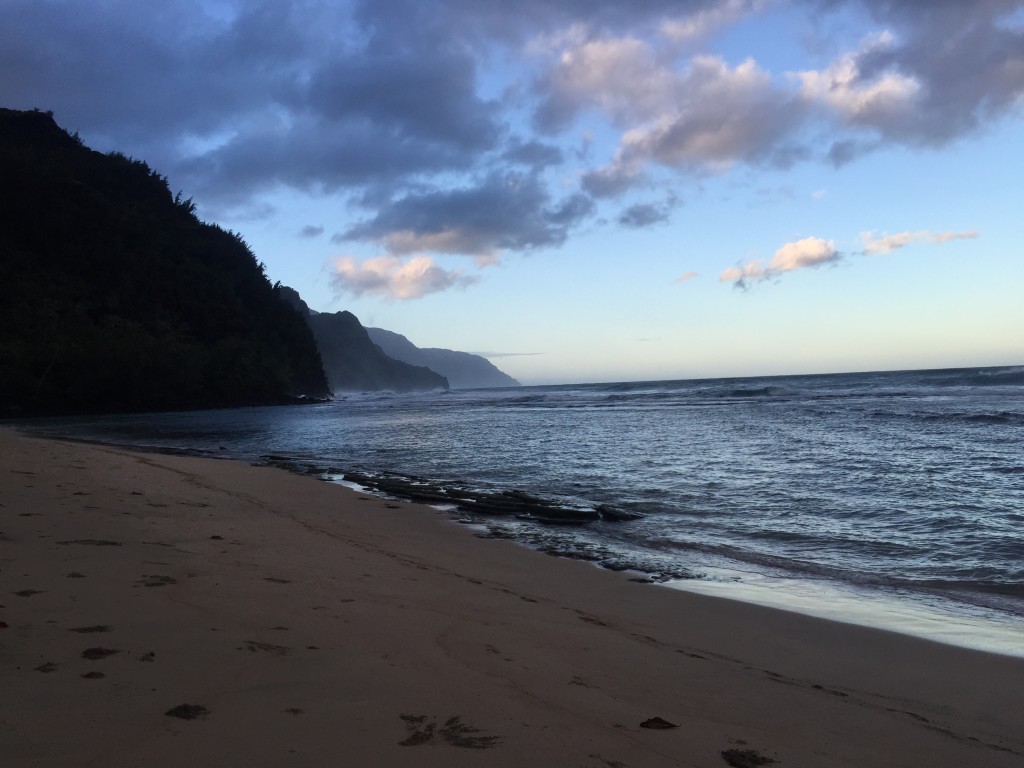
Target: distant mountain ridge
(353, 362)
(462, 369)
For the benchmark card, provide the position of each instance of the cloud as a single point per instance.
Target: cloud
(883, 99)
(801, 254)
(876, 244)
(707, 117)
(645, 214)
(686, 277)
(934, 74)
(814, 252)
(311, 230)
(536, 154)
(700, 24)
(395, 279)
(511, 211)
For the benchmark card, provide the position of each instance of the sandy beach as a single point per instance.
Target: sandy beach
(167, 611)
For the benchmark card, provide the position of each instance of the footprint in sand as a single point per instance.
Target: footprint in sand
(276, 650)
(91, 629)
(746, 758)
(453, 732)
(156, 580)
(93, 542)
(94, 654)
(188, 712)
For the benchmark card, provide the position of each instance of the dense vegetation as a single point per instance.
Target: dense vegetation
(115, 297)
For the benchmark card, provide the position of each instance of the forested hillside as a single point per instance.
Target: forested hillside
(115, 297)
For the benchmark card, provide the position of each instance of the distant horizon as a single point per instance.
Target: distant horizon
(569, 383)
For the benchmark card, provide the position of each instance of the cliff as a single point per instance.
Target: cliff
(351, 359)
(115, 297)
(462, 369)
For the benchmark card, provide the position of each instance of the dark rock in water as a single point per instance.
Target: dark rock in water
(615, 565)
(524, 506)
(612, 514)
(511, 503)
(570, 553)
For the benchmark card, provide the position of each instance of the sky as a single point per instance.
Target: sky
(585, 190)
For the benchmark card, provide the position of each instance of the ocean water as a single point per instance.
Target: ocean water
(892, 499)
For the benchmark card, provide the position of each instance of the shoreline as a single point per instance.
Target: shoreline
(316, 623)
(939, 619)
(933, 616)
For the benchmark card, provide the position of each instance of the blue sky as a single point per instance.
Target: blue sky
(591, 190)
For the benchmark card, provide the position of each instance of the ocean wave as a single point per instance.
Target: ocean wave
(1002, 417)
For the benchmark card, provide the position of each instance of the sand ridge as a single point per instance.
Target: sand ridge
(162, 610)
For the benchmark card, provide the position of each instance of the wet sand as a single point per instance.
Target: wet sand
(168, 611)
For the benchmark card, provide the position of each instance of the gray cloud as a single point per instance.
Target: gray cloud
(535, 154)
(311, 230)
(643, 215)
(510, 211)
(962, 68)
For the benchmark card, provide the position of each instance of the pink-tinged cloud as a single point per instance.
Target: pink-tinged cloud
(883, 100)
(709, 116)
(875, 244)
(802, 254)
(686, 277)
(395, 279)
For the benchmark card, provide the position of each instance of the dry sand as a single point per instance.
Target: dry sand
(298, 623)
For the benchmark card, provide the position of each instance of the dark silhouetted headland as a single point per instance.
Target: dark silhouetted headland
(116, 297)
